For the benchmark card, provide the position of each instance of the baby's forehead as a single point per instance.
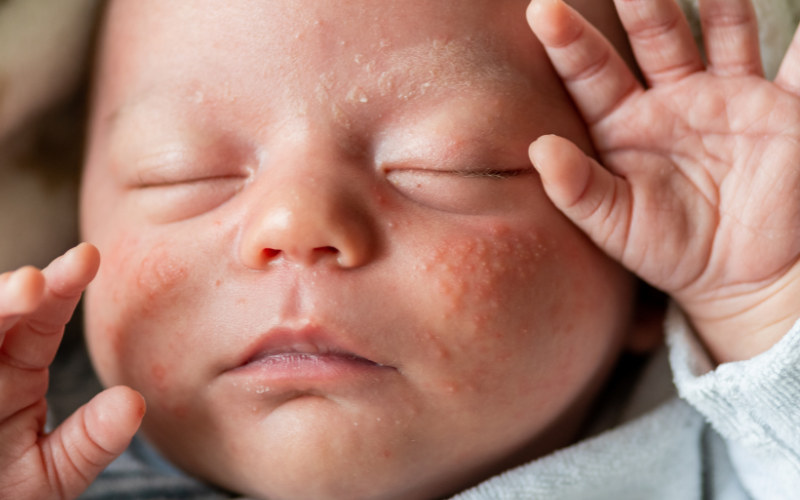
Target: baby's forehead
(452, 71)
(429, 43)
(472, 66)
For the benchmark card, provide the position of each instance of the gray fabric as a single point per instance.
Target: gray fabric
(755, 405)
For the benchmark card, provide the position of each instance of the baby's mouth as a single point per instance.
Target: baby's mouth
(306, 354)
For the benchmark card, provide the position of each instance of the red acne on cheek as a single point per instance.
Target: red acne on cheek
(476, 274)
(482, 288)
(159, 372)
(180, 411)
(114, 338)
(437, 346)
(380, 197)
(158, 276)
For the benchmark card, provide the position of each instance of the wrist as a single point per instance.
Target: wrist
(740, 326)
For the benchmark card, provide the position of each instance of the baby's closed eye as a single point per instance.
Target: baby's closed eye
(471, 190)
(178, 182)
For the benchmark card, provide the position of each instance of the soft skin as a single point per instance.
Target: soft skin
(309, 166)
(697, 191)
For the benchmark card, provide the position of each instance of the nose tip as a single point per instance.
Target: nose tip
(306, 235)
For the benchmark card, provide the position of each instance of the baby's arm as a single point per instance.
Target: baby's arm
(34, 307)
(700, 194)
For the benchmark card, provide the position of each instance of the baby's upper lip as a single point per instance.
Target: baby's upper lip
(309, 340)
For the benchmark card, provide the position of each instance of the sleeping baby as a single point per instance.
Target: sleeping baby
(391, 250)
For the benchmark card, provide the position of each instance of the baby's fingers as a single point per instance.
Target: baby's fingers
(593, 72)
(789, 73)
(32, 343)
(661, 39)
(594, 199)
(730, 32)
(21, 292)
(78, 450)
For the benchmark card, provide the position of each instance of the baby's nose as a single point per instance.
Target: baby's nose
(308, 222)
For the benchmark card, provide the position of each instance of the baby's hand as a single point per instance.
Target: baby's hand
(34, 307)
(700, 194)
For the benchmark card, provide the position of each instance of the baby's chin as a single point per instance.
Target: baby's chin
(315, 447)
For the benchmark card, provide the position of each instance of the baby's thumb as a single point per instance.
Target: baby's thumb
(97, 433)
(594, 199)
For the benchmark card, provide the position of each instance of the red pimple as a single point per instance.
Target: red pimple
(159, 274)
(180, 411)
(450, 388)
(442, 353)
(159, 372)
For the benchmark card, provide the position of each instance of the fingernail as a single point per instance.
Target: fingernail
(14, 286)
(15, 279)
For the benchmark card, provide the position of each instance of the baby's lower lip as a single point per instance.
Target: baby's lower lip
(307, 367)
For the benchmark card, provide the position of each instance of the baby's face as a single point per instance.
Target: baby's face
(328, 264)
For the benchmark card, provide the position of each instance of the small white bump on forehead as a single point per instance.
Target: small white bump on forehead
(468, 63)
(472, 63)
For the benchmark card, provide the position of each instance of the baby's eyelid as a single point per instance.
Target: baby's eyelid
(153, 183)
(483, 172)
(187, 172)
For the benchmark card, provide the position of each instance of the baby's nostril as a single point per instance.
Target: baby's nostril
(327, 249)
(271, 253)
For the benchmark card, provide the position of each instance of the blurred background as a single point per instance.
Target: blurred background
(44, 60)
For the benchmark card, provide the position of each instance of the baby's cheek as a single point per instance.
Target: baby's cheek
(487, 299)
(472, 275)
(139, 295)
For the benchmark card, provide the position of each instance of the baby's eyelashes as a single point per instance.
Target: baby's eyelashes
(489, 173)
(467, 191)
(176, 201)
